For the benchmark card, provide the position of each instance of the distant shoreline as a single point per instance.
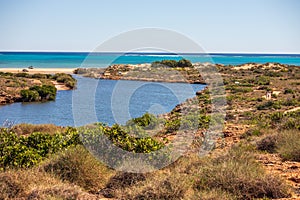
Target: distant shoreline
(297, 54)
(39, 70)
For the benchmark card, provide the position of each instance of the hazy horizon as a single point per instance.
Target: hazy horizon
(146, 52)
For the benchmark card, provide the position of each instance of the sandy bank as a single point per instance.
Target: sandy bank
(39, 70)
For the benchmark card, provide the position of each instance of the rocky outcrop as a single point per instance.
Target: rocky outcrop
(144, 72)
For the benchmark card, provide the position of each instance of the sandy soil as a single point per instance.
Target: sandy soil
(40, 70)
(60, 86)
(264, 66)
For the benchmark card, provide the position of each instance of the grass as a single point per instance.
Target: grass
(286, 143)
(78, 166)
(235, 175)
(35, 184)
(26, 129)
(239, 174)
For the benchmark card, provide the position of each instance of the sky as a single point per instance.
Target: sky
(241, 26)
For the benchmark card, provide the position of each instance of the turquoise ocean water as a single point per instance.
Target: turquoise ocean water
(74, 60)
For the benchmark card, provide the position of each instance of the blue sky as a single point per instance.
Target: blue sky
(216, 25)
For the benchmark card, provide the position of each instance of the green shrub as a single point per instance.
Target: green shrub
(46, 92)
(29, 95)
(184, 63)
(26, 151)
(138, 145)
(67, 79)
(263, 80)
(36, 93)
(288, 91)
(241, 89)
(268, 105)
(39, 76)
(93, 136)
(290, 102)
(21, 74)
(6, 74)
(148, 121)
(172, 63)
(251, 132)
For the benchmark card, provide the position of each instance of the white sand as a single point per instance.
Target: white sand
(40, 70)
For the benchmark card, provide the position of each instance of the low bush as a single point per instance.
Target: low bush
(269, 105)
(30, 95)
(172, 63)
(288, 145)
(26, 151)
(263, 80)
(187, 122)
(147, 121)
(46, 92)
(67, 79)
(10, 188)
(21, 74)
(35, 184)
(77, 166)
(268, 143)
(288, 91)
(40, 76)
(93, 136)
(241, 89)
(239, 174)
(36, 93)
(159, 186)
(235, 175)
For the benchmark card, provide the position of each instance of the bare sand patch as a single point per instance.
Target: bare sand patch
(39, 70)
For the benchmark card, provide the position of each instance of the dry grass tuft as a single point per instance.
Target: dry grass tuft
(61, 192)
(10, 187)
(286, 143)
(213, 194)
(78, 166)
(36, 184)
(121, 181)
(162, 185)
(26, 129)
(239, 174)
(268, 143)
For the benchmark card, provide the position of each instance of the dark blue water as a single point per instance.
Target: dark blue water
(114, 101)
(74, 60)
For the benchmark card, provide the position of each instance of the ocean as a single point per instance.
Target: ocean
(84, 59)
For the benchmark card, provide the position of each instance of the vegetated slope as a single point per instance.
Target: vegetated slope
(260, 136)
(18, 87)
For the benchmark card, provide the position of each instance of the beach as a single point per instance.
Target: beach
(39, 70)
